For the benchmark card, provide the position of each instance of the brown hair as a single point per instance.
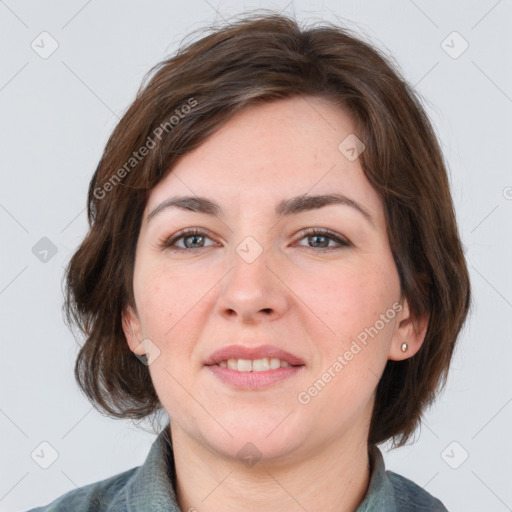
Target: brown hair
(262, 58)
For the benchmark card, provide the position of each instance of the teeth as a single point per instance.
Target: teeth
(244, 365)
(259, 365)
(256, 365)
(275, 363)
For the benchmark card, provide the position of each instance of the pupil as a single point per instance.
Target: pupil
(320, 236)
(194, 237)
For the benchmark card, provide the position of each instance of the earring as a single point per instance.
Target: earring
(404, 347)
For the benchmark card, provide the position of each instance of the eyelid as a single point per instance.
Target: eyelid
(338, 238)
(168, 241)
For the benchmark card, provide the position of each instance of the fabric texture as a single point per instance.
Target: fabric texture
(151, 488)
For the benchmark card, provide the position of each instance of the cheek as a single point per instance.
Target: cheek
(157, 309)
(357, 308)
(164, 298)
(350, 299)
(174, 304)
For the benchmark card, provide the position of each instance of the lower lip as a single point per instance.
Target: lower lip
(254, 380)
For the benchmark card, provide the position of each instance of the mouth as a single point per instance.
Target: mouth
(254, 365)
(253, 368)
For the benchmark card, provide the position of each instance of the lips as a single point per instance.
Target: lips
(253, 369)
(252, 353)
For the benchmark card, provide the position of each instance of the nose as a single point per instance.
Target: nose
(253, 291)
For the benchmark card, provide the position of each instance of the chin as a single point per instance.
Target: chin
(255, 439)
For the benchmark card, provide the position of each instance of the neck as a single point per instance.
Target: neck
(335, 477)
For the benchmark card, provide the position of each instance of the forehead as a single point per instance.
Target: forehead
(269, 152)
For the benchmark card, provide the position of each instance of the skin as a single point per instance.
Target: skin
(308, 301)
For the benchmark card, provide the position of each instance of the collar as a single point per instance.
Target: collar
(380, 495)
(151, 485)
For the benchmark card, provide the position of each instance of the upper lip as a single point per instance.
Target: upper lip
(259, 352)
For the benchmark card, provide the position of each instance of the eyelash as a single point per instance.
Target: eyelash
(168, 243)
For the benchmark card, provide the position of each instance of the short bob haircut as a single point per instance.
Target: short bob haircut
(264, 57)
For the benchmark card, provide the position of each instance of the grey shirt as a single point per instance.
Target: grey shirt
(151, 488)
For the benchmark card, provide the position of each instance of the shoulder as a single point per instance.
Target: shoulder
(391, 492)
(410, 497)
(96, 497)
(146, 487)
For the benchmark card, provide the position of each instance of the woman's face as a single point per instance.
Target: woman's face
(255, 282)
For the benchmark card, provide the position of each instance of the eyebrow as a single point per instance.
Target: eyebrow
(285, 208)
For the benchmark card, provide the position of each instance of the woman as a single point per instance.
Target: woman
(273, 260)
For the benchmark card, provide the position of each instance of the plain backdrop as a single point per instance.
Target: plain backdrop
(68, 72)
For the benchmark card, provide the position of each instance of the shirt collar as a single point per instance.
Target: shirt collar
(380, 495)
(152, 483)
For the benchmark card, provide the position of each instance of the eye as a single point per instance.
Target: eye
(322, 237)
(192, 239)
(195, 239)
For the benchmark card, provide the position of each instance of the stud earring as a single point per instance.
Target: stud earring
(404, 347)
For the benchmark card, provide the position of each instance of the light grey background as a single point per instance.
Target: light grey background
(57, 113)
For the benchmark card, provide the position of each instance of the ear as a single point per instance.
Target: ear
(411, 331)
(132, 330)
